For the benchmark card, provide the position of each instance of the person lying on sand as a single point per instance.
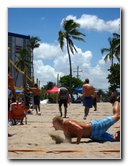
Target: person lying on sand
(95, 130)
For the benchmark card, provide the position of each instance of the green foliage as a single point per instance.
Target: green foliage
(114, 48)
(70, 31)
(114, 77)
(49, 85)
(23, 59)
(34, 43)
(76, 82)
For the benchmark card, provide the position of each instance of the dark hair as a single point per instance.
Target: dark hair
(86, 80)
(13, 100)
(36, 85)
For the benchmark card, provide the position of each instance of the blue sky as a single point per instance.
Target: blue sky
(97, 24)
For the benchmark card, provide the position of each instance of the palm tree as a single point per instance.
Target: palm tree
(34, 43)
(69, 31)
(23, 62)
(116, 41)
(113, 50)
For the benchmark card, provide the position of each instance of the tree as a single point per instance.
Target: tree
(109, 51)
(34, 43)
(76, 82)
(114, 77)
(69, 31)
(49, 85)
(23, 62)
(113, 50)
(116, 42)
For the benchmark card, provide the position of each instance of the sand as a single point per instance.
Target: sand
(35, 136)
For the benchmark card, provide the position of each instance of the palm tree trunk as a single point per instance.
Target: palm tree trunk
(32, 67)
(112, 61)
(16, 76)
(70, 78)
(24, 84)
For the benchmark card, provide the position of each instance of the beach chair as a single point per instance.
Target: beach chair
(17, 113)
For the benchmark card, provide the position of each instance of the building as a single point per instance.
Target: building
(15, 43)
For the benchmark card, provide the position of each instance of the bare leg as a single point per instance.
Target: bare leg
(86, 111)
(39, 108)
(36, 109)
(116, 111)
(60, 109)
(21, 122)
(95, 106)
(65, 113)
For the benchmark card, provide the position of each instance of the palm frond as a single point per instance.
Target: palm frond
(78, 38)
(61, 39)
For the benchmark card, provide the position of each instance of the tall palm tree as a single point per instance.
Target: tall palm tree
(23, 62)
(113, 50)
(34, 43)
(69, 31)
(116, 41)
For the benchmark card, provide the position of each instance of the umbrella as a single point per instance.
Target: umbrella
(78, 90)
(18, 91)
(53, 90)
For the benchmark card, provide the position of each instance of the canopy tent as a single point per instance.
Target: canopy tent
(18, 91)
(78, 90)
(53, 90)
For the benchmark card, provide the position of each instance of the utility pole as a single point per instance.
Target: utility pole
(57, 80)
(77, 71)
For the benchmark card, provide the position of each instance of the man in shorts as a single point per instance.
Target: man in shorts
(63, 99)
(88, 92)
(95, 130)
(36, 93)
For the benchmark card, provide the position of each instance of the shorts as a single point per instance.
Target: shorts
(64, 102)
(99, 128)
(36, 100)
(87, 102)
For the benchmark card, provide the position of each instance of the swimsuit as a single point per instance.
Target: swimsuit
(99, 128)
(87, 102)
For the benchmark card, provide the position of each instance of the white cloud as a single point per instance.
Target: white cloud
(92, 22)
(60, 60)
(47, 51)
(45, 73)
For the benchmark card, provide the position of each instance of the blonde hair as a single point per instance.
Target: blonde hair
(58, 119)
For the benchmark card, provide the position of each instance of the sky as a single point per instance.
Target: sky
(98, 24)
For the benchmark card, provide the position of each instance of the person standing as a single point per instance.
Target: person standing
(63, 98)
(10, 89)
(95, 101)
(87, 91)
(36, 93)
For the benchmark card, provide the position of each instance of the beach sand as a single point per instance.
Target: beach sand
(35, 136)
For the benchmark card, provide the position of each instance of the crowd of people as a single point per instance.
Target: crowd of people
(96, 130)
(29, 97)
